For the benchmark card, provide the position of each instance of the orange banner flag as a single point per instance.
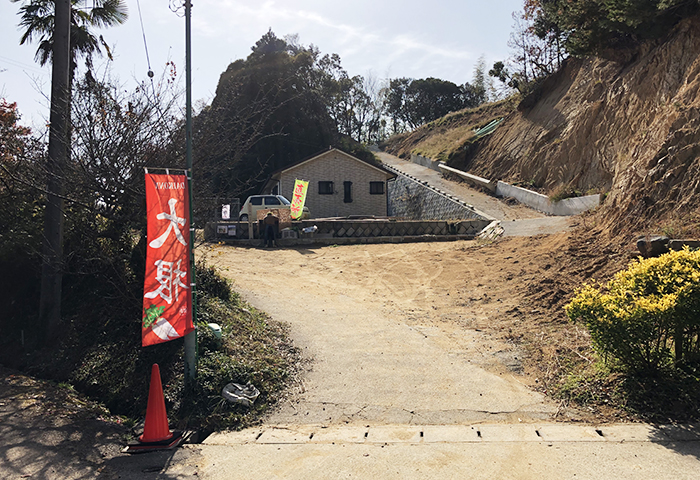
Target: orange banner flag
(167, 299)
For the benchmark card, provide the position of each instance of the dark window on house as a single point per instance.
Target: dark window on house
(376, 188)
(347, 188)
(325, 188)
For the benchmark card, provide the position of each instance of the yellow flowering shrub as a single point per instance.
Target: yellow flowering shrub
(647, 316)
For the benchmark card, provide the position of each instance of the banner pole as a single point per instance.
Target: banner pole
(191, 338)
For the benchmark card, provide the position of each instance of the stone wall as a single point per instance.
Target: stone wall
(366, 230)
(394, 228)
(412, 199)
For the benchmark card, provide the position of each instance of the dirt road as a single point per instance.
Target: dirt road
(412, 375)
(395, 332)
(516, 219)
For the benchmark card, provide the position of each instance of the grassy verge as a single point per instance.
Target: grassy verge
(100, 354)
(447, 138)
(613, 394)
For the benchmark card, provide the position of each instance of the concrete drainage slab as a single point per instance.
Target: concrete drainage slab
(249, 435)
(420, 434)
(509, 433)
(340, 434)
(570, 433)
(633, 432)
(450, 434)
(395, 434)
(297, 434)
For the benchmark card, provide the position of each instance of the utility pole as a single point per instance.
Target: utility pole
(191, 338)
(59, 143)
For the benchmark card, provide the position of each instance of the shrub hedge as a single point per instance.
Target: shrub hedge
(648, 316)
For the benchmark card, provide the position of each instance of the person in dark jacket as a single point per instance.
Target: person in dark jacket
(271, 225)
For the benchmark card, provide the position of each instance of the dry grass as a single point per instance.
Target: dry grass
(441, 146)
(443, 138)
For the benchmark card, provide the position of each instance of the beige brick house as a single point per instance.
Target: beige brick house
(339, 185)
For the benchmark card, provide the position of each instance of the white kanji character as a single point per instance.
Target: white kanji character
(169, 279)
(174, 222)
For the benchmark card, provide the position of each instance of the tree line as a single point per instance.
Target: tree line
(287, 101)
(546, 32)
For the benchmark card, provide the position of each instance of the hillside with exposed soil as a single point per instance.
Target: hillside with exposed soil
(625, 124)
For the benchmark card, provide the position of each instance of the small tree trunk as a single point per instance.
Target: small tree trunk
(678, 344)
(51, 272)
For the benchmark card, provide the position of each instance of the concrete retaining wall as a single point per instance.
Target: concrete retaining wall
(412, 199)
(426, 162)
(472, 179)
(542, 203)
(349, 230)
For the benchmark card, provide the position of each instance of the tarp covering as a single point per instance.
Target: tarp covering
(488, 129)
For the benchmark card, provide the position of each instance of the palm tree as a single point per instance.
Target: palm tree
(38, 21)
(65, 25)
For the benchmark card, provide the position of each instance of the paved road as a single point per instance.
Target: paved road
(400, 452)
(517, 220)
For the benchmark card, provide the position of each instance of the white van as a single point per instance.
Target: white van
(260, 202)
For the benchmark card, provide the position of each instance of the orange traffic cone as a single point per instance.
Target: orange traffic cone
(156, 433)
(156, 427)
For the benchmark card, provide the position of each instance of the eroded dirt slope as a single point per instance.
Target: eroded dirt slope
(627, 126)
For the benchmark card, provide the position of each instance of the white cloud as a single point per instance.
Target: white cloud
(442, 38)
(406, 43)
(362, 42)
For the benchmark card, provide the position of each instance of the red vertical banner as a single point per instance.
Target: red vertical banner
(167, 299)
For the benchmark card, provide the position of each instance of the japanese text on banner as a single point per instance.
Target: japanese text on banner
(298, 198)
(167, 300)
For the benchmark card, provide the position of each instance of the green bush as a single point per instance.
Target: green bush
(648, 316)
(587, 26)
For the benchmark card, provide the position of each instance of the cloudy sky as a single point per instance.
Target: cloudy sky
(387, 38)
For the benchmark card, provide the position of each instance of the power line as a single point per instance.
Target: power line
(145, 45)
(25, 66)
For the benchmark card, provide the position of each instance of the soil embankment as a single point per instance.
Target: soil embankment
(627, 125)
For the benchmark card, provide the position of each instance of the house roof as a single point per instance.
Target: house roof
(276, 174)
